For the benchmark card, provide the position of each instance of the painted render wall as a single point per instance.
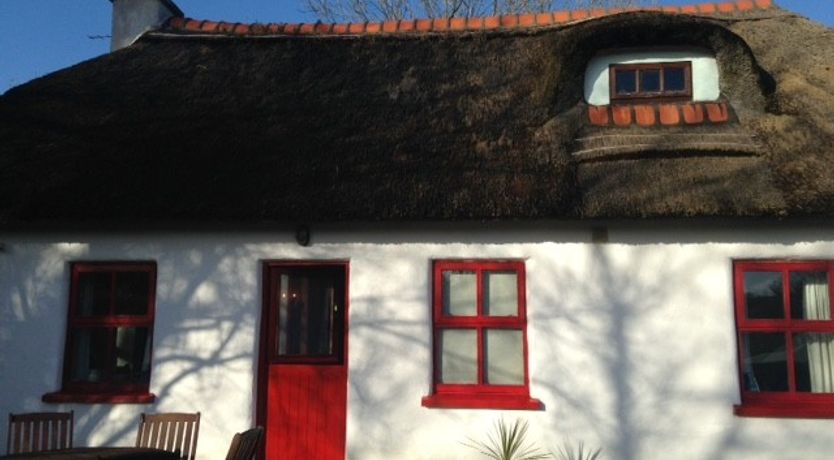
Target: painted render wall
(632, 342)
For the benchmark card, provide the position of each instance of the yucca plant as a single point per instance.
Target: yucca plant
(508, 442)
(567, 452)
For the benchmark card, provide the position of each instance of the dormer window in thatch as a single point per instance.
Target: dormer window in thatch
(662, 80)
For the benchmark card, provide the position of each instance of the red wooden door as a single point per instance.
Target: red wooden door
(306, 362)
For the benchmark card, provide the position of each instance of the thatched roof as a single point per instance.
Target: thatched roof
(206, 122)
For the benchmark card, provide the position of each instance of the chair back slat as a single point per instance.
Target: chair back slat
(39, 431)
(245, 445)
(174, 432)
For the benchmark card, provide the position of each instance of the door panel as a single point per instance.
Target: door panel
(306, 378)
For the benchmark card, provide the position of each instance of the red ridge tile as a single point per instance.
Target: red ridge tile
(578, 15)
(561, 16)
(457, 24)
(689, 9)
(744, 5)
(373, 28)
(671, 9)
(526, 20)
(597, 12)
(726, 7)
(340, 29)
(474, 23)
(544, 19)
(390, 26)
(645, 115)
(275, 29)
(707, 8)
(408, 26)
(669, 114)
(323, 28)
(693, 114)
(424, 25)
(241, 29)
(598, 115)
(621, 114)
(208, 26)
(509, 20)
(763, 4)
(441, 24)
(615, 10)
(717, 113)
(492, 22)
(192, 25)
(356, 27)
(259, 29)
(226, 27)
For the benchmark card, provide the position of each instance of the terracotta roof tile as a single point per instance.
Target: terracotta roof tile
(458, 24)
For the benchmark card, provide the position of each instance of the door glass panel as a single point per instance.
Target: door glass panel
(625, 81)
(460, 294)
(763, 294)
(458, 356)
(674, 79)
(93, 294)
(765, 362)
(650, 80)
(89, 354)
(132, 293)
(309, 302)
(814, 361)
(809, 296)
(133, 358)
(504, 357)
(501, 294)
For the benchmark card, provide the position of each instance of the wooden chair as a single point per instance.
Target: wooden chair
(39, 431)
(245, 445)
(174, 432)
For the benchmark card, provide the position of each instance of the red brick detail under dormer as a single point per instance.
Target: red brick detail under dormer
(646, 115)
(453, 25)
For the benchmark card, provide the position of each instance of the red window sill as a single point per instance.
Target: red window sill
(458, 401)
(794, 410)
(96, 398)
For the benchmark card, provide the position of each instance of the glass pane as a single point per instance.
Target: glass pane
(502, 294)
(650, 80)
(94, 294)
(765, 366)
(814, 362)
(504, 357)
(306, 311)
(460, 294)
(674, 79)
(625, 81)
(809, 296)
(763, 292)
(458, 356)
(133, 355)
(89, 354)
(132, 293)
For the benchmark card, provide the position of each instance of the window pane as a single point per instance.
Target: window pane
(809, 296)
(814, 361)
(458, 356)
(89, 354)
(763, 293)
(133, 355)
(93, 294)
(132, 289)
(674, 79)
(625, 81)
(765, 362)
(504, 358)
(306, 314)
(460, 294)
(650, 80)
(501, 294)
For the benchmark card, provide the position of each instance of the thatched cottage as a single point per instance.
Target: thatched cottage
(376, 239)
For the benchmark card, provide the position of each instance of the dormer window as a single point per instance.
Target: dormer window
(662, 80)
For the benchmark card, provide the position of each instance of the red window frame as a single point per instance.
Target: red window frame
(663, 94)
(480, 395)
(790, 403)
(106, 390)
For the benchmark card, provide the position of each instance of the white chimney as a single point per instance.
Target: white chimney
(132, 18)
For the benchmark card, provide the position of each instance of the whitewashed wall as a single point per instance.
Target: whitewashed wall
(632, 343)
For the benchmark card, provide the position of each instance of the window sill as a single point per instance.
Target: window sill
(97, 398)
(470, 401)
(794, 410)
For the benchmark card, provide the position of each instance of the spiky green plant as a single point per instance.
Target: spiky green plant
(508, 442)
(567, 452)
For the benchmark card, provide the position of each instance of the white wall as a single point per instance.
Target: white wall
(705, 77)
(632, 343)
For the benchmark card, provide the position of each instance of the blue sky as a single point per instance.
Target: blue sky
(40, 36)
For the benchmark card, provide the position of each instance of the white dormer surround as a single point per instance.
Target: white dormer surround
(705, 77)
(132, 18)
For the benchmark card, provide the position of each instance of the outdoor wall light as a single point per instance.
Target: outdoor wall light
(302, 235)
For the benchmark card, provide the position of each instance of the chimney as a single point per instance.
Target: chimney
(132, 18)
